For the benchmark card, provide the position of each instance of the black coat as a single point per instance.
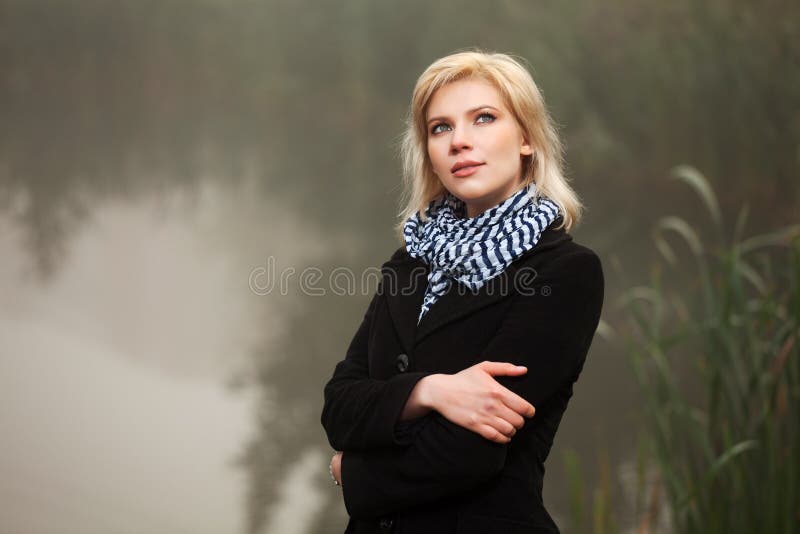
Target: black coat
(429, 475)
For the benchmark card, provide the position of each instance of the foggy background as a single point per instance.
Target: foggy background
(155, 154)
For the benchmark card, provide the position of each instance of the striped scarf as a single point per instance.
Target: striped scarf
(474, 250)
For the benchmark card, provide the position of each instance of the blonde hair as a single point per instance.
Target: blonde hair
(521, 96)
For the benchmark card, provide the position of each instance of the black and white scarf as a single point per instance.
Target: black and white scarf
(474, 250)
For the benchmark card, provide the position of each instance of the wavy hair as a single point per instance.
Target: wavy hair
(521, 96)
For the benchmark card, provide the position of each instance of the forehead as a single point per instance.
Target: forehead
(457, 97)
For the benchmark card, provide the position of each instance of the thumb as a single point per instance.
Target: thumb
(503, 368)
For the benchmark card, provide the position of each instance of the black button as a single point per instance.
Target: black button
(402, 363)
(385, 523)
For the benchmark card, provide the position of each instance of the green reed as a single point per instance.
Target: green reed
(714, 346)
(602, 519)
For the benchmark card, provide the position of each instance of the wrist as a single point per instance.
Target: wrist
(429, 386)
(421, 400)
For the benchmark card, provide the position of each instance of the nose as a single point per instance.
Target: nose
(460, 140)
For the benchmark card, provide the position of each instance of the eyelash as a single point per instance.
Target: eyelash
(486, 113)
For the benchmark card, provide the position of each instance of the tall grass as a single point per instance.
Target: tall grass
(713, 342)
(600, 518)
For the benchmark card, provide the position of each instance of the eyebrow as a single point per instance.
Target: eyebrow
(473, 110)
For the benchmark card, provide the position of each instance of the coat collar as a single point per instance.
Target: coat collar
(405, 279)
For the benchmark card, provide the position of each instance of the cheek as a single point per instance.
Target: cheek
(434, 154)
(508, 146)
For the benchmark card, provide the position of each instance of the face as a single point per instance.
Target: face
(475, 144)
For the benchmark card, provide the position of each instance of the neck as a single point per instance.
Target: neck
(476, 208)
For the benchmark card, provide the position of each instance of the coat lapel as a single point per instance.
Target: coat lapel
(406, 278)
(404, 283)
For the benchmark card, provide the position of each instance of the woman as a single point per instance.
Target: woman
(449, 397)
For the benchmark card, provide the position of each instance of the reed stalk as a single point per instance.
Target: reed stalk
(717, 360)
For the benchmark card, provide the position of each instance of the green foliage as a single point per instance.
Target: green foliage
(600, 516)
(718, 363)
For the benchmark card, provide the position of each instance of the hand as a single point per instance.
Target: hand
(336, 467)
(476, 401)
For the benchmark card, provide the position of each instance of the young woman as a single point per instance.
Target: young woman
(446, 404)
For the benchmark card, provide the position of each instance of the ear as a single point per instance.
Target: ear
(525, 149)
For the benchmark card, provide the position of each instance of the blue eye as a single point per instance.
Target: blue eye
(435, 129)
(491, 118)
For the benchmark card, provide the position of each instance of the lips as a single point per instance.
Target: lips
(465, 168)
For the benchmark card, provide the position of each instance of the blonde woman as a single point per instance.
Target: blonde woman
(446, 404)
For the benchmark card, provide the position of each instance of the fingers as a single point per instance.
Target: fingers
(504, 427)
(509, 398)
(517, 403)
(499, 429)
(493, 434)
(513, 419)
(502, 368)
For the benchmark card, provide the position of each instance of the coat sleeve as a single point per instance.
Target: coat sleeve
(550, 333)
(359, 412)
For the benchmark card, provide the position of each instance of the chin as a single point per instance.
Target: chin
(468, 192)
